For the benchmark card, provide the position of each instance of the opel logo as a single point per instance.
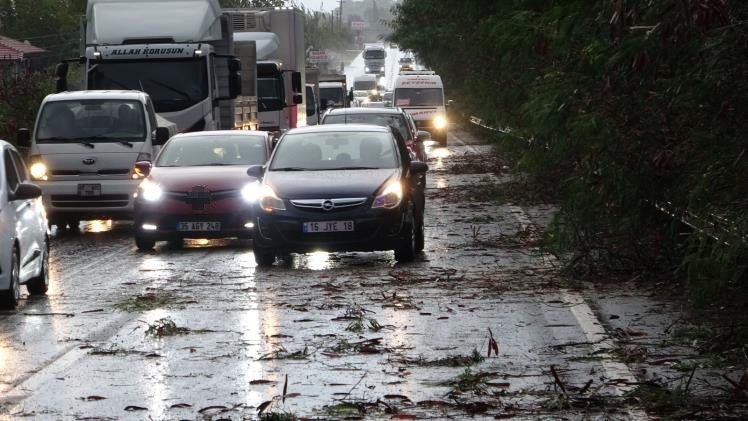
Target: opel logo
(89, 161)
(328, 205)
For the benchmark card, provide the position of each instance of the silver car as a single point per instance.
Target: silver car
(24, 251)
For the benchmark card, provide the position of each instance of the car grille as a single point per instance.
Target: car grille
(119, 171)
(329, 205)
(101, 201)
(198, 197)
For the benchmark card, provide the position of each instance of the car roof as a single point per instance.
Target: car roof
(96, 94)
(364, 110)
(340, 128)
(223, 133)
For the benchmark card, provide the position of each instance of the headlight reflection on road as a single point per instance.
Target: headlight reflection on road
(97, 225)
(439, 154)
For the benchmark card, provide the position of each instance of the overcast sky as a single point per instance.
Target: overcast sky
(326, 5)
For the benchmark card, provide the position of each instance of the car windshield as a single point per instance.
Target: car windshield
(173, 85)
(364, 85)
(212, 150)
(388, 120)
(413, 97)
(335, 150)
(91, 120)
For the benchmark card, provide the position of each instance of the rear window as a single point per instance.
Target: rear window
(387, 120)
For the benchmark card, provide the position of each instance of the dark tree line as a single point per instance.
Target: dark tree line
(616, 105)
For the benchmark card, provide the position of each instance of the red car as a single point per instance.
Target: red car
(198, 187)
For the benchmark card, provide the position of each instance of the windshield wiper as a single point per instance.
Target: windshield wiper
(291, 169)
(171, 88)
(126, 143)
(355, 168)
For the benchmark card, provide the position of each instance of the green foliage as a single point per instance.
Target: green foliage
(625, 105)
(20, 97)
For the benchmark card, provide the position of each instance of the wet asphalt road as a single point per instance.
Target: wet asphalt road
(355, 334)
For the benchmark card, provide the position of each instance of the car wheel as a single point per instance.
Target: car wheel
(74, 225)
(39, 284)
(144, 244)
(407, 249)
(264, 257)
(420, 236)
(442, 139)
(10, 297)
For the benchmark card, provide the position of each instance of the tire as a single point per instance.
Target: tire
(74, 225)
(38, 285)
(442, 139)
(144, 244)
(9, 299)
(264, 257)
(406, 252)
(420, 236)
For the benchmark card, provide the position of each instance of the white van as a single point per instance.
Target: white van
(421, 94)
(83, 151)
(366, 88)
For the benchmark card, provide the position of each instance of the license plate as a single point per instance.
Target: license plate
(328, 226)
(199, 226)
(89, 189)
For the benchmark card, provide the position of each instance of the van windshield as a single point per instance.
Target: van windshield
(413, 97)
(374, 54)
(91, 120)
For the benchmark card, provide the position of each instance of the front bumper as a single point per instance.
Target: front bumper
(115, 201)
(232, 225)
(374, 230)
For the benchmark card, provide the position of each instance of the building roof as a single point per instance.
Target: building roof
(11, 49)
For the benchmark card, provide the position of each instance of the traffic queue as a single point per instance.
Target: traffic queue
(355, 182)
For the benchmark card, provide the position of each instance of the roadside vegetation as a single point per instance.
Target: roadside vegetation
(619, 108)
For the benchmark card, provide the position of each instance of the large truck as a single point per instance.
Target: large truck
(374, 59)
(281, 63)
(180, 52)
(333, 91)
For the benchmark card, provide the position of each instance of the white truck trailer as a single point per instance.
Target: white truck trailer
(281, 63)
(180, 52)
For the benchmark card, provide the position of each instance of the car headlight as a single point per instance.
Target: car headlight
(373, 92)
(367, 69)
(150, 191)
(38, 171)
(390, 197)
(269, 201)
(440, 122)
(251, 192)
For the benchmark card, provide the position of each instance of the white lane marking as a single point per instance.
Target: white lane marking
(593, 329)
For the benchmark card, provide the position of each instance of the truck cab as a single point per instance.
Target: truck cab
(421, 94)
(83, 151)
(374, 57)
(178, 55)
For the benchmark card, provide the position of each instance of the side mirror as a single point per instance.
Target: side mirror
(423, 136)
(297, 99)
(296, 82)
(23, 138)
(235, 78)
(26, 191)
(418, 167)
(256, 171)
(143, 168)
(61, 77)
(162, 135)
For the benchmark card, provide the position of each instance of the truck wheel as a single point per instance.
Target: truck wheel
(264, 257)
(9, 298)
(39, 284)
(442, 139)
(144, 244)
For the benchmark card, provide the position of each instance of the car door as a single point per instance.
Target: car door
(27, 224)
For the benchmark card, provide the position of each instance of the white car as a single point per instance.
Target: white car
(24, 251)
